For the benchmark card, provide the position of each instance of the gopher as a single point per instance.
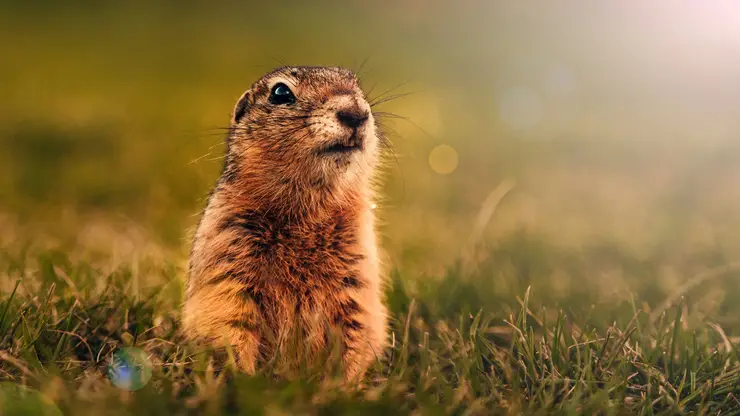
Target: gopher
(287, 241)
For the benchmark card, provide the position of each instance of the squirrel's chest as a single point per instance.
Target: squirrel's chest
(303, 257)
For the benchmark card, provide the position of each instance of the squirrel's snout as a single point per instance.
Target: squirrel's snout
(352, 118)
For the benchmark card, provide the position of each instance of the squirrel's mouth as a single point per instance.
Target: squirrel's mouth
(350, 145)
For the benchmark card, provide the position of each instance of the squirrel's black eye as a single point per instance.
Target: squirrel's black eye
(281, 94)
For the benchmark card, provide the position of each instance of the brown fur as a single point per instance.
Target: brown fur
(287, 241)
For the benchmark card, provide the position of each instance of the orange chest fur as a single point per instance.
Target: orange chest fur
(300, 258)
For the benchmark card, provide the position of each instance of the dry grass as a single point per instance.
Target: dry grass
(604, 282)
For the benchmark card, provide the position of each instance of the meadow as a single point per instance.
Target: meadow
(560, 208)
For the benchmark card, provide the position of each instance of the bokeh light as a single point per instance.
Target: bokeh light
(130, 368)
(520, 108)
(443, 159)
(560, 81)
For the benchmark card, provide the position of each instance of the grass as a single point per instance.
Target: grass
(605, 276)
(494, 341)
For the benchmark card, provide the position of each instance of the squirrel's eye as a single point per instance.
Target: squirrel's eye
(281, 94)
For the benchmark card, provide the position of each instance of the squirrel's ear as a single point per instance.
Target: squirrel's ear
(241, 107)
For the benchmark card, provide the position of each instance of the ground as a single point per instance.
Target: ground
(507, 338)
(582, 262)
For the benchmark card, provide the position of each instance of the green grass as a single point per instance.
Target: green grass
(606, 280)
(493, 341)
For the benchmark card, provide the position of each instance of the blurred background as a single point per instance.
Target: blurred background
(616, 123)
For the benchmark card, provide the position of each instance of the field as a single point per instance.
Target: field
(572, 248)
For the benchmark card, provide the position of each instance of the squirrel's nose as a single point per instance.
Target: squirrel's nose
(352, 118)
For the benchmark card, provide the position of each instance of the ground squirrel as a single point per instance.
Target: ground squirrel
(287, 241)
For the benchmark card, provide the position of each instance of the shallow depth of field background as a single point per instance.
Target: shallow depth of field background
(617, 123)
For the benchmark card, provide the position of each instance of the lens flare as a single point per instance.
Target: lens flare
(130, 369)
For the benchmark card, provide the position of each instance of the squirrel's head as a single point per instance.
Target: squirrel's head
(309, 126)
